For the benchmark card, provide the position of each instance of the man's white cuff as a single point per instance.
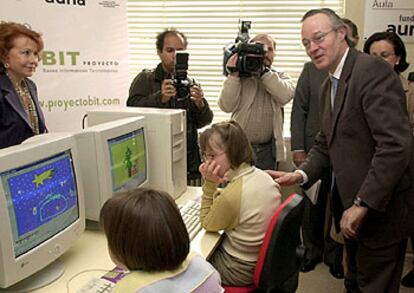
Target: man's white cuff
(304, 176)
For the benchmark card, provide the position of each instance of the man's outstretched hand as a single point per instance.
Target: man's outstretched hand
(285, 178)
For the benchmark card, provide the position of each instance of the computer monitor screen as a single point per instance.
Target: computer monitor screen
(166, 138)
(114, 158)
(128, 160)
(42, 208)
(41, 199)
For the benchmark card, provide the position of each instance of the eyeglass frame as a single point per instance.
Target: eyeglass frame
(317, 39)
(209, 157)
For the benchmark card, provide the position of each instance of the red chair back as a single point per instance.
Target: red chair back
(269, 267)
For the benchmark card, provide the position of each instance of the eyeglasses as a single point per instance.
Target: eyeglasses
(209, 157)
(317, 39)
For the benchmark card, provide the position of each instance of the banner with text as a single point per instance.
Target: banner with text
(390, 15)
(85, 60)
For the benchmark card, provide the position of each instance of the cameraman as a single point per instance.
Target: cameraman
(155, 88)
(256, 104)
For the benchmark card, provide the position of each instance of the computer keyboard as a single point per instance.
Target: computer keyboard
(97, 285)
(190, 212)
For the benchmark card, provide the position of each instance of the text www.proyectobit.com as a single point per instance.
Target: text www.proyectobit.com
(65, 104)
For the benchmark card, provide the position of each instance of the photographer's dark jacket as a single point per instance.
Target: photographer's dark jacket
(145, 91)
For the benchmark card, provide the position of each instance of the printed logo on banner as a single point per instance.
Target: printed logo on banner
(72, 61)
(75, 67)
(109, 4)
(402, 29)
(68, 2)
(383, 4)
(391, 15)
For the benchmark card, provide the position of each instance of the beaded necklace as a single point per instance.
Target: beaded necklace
(27, 102)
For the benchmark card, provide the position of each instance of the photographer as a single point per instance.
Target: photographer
(155, 88)
(256, 103)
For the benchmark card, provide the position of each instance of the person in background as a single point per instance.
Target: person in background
(352, 32)
(305, 124)
(147, 238)
(155, 88)
(390, 47)
(243, 208)
(256, 104)
(20, 114)
(366, 137)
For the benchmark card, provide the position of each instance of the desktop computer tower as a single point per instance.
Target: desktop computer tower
(167, 143)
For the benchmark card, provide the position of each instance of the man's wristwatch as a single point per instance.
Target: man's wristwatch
(359, 203)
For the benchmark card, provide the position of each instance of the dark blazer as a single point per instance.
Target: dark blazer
(368, 141)
(305, 121)
(15, 125)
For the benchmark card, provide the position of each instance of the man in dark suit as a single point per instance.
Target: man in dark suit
(304, 127)
(365, 136)
(305, 124)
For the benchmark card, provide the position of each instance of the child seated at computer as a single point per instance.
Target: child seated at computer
(243, 208)
(147, 237)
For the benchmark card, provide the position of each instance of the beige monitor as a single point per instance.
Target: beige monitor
(42, 208)
(166, 129)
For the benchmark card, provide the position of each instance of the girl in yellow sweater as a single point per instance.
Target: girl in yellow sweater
(243, 208)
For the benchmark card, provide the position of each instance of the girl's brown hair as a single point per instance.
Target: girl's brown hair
(145, 230)
(232, 139)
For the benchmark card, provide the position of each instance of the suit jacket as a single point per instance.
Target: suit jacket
(409, 93)
(15, 124)
(367, 139)
(305, 121)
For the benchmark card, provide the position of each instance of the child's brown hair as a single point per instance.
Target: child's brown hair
(231, 138)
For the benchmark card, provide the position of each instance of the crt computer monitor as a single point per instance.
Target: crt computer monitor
(42, 208)
(114, 158)
(166, 129)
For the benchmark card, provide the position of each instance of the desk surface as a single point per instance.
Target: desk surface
(90, 258)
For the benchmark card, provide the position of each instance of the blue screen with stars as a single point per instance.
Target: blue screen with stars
(42, 200)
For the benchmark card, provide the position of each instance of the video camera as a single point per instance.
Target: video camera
(180, 80)
(250, 54)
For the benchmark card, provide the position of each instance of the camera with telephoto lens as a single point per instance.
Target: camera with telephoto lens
(181, 82)
(251, 55)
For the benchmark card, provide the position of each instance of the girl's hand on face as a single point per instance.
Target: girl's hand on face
(211, 172)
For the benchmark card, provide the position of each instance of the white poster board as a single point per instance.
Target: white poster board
(390, 15)
(85, 59)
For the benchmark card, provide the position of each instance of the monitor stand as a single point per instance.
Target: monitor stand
(40, 279)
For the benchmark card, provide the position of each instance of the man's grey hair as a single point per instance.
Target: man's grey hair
(334, 18)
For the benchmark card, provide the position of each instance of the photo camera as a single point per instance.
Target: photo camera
(250, 54)
(181, 82)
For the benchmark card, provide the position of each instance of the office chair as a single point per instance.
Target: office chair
(281, 254)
